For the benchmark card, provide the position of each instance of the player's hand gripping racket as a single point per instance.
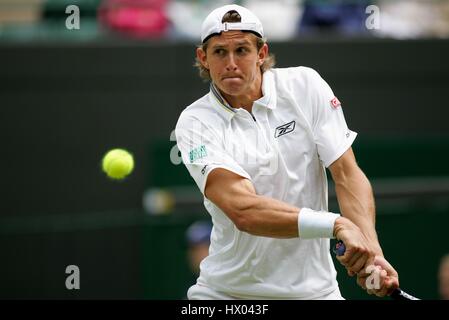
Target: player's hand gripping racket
(397, 294)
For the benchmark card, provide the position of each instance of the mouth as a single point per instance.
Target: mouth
(231, 77)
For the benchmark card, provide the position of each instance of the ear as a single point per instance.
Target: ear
(263, 54)
(201, 55)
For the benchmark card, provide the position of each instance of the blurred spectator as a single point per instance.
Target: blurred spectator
(334, 16)
(443, 278)
(135, 18)
(187, 16)
(279, 18)
(405, 19)
(15, 12)
(198, 240)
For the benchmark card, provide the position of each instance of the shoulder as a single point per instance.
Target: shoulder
(195, 111)
(296, 78)
(293, 73)
(199, 113)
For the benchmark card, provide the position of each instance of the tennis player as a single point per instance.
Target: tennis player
(257, 146)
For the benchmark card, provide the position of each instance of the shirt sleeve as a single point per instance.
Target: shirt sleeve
(203, 151)
(331, 133)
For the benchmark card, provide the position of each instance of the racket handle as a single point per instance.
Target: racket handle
(340, 248)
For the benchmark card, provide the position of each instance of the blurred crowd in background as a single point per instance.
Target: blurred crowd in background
(180, 20)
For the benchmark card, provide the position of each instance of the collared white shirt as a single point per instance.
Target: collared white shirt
(295, 130)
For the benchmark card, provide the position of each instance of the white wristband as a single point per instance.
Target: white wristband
(316, 224)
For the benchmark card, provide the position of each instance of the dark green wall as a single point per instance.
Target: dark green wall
(62, 106)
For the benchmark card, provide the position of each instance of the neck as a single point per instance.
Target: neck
(246, 99)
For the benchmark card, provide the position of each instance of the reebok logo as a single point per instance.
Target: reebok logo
(284, 129)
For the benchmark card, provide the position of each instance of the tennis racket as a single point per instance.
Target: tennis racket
(397, 294)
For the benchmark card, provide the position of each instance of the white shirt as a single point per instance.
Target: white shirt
(296, 130)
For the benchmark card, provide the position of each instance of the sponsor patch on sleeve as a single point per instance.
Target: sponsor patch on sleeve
(197, 153)
(335, 103)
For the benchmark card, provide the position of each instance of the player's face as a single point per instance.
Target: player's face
(233, 61)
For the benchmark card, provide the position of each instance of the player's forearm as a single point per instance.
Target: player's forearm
(355, 197)
(264, 216)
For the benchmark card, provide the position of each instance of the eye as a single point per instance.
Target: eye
(242, 50)
(219, 51)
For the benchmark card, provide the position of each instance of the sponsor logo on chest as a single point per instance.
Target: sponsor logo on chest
(284, 129)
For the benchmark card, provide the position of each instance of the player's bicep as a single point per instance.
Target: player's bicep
(345, 170)
(229, 191)
(344, 165)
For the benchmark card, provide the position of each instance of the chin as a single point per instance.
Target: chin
(231, 89)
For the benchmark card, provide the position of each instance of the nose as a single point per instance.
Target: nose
(231, 65)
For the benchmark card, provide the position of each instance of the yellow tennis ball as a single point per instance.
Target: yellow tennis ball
(118, 163)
